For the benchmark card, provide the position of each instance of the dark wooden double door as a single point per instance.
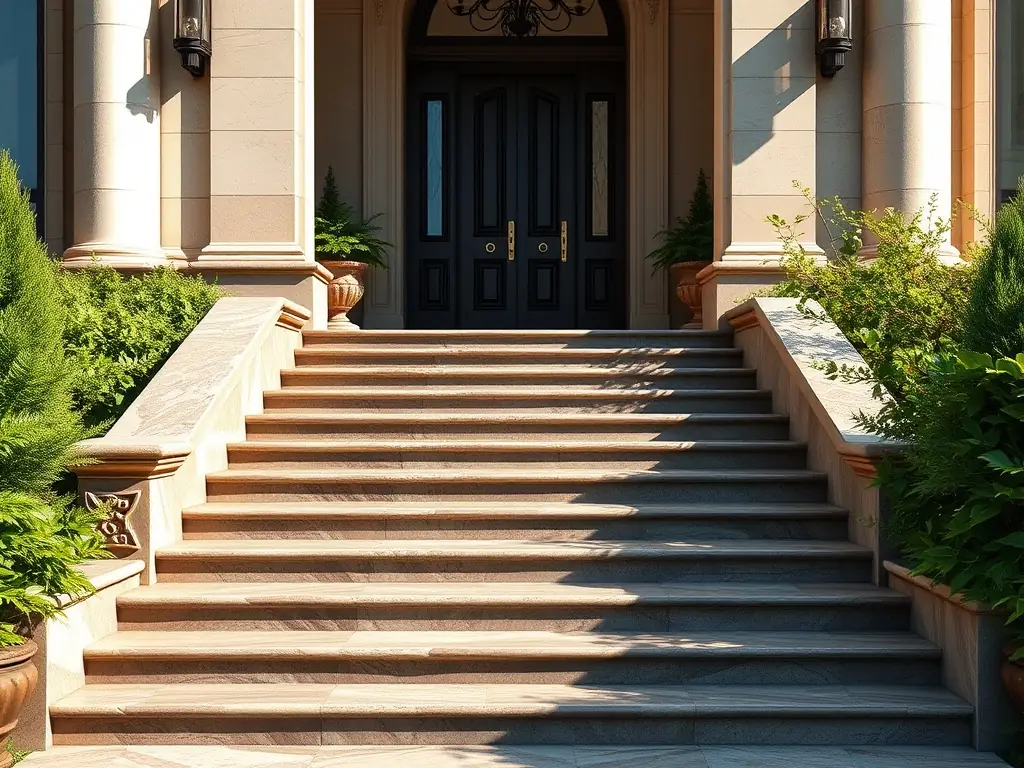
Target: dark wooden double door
(515, 198)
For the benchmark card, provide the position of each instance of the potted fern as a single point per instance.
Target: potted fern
(347, 245)
(687, 247)
(43, 535)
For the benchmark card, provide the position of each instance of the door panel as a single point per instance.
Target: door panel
(542, 152)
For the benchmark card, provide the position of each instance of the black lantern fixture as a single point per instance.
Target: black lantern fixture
(192, 37)
(835, 34)
(520, 18)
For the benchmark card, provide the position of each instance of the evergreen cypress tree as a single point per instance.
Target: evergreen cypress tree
(331, 208)
(701, 220)
(995, 315)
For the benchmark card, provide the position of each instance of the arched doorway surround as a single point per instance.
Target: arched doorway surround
(386, 26)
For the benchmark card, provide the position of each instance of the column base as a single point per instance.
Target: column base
(86, 255)
(724, 284)
(304, 282)
(250, 252)
(948, 255)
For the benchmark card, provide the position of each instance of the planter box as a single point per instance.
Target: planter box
(971, 637)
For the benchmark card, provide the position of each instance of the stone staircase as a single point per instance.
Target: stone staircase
(455, 538)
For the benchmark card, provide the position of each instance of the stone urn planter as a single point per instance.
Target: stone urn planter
(344, 292)
(684, 277)
(18, 676)
(1013, 679)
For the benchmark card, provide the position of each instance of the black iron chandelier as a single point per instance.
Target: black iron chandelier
(520, 18)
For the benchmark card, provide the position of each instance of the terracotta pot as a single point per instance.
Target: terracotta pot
(684, 276)
(18, 676)
(344, 292)
(1013, 679)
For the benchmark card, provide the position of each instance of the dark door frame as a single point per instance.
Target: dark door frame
(434, 74)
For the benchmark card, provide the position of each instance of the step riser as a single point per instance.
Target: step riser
(155, 730)
(646, 618)
(612, 359)
(365, 339)
(610, 379)
(725, 430)
(813, 491)
(246, 457)
(787, 570)
(629, 671)
(385, 402)
(532, 530)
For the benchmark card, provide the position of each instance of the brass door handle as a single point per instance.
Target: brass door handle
(511, 241)
(565, 241)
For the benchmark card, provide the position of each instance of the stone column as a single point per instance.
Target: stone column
(907, 155)
(765, 139)
(117, 135)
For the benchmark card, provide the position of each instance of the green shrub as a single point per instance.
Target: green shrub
(43, 536)
(957, 492)
(692, 238)
(121, 329)
(897, 309)
(344, 236)
(995, 317)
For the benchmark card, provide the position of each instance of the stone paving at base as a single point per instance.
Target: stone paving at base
(512, 757)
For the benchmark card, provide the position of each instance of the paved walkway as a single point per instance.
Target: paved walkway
(511, 757)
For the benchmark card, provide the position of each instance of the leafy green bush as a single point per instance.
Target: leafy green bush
(957, 492)
(121, 329)
(692, 238)
(43, 536)
(995, 317)
(897, 309)
(344, 236)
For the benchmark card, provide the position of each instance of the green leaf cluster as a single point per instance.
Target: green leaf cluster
(899, 307)
(43, 535)
(120, 330)
(341, 235)
(692, 238)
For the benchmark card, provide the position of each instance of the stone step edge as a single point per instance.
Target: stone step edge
(354, 510)
(319, 645)
(501, 594)
(506, 351)
(503, 550)
(540, 476)
(495, 370)
(442, 392)
(428, 445)
(456, 701)
(364, 335)
(362, 417)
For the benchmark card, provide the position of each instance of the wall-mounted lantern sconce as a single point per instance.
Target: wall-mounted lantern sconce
(835, 34)
(192, 38)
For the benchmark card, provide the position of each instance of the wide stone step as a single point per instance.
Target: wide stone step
(517, 483)
(590, 658)
(481, 399)
(479, 354)
(428, 454)
(512, 520)
(626, 376)
(308, 713)
(554, 338)
(516, 756)
(507, 606)
(437, 560)
(326, 424)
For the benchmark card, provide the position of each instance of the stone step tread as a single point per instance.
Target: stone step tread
(357, 510)
(489, 645)
(421, 445)
(505, 550)
(506, 351)
(496, 475)
(512, 756)
(490, 593)
(497, 417)
(441, 391)
(289, 700)
(526, 334)
(597, 372)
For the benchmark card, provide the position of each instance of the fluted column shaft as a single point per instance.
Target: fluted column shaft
(907, 157)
